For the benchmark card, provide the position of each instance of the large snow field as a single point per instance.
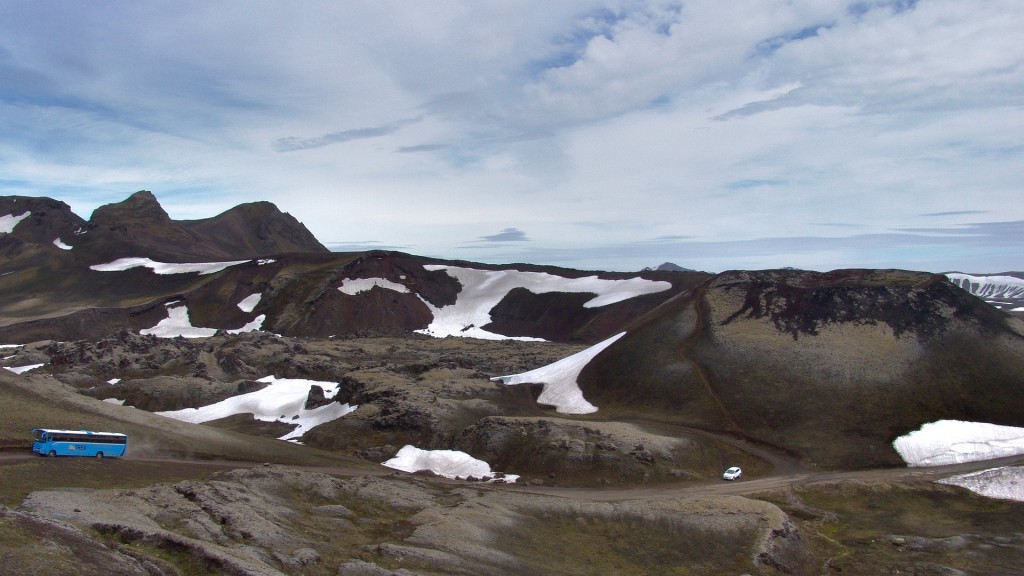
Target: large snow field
(561, 389)
(283, 401)
(447, 463)
(482, 290)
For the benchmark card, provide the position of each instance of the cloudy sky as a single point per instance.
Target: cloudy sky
(591, 134)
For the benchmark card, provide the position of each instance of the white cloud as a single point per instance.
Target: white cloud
(587, 123)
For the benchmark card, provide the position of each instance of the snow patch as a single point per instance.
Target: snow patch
(1004, 483)
(254, 326)
(10, 221)
(22, 369)
(117, 401)
(561, 389)
(177, 324)
(353, 286)
(447, 463)
(955, 442)
(60, 244)
(248, 304)
(202, 268)
(284, 400)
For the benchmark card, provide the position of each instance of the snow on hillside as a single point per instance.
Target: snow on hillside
(955, 442)
(1005, 483)
(8, 222)
(122, 264)
(22, 369)
(482, 290)
(282, 401)
(989, 286)
(447, 463)
(559, 379)
(248, 304)
(353, 286)
(178, 324)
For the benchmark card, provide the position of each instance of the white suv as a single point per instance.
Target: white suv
(732, 473)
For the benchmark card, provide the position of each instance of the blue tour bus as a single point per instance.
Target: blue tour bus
(49, 442)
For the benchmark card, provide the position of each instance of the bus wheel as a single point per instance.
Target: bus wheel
(52, 453)
(99, 455)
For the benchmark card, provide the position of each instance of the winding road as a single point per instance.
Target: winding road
(682, 489)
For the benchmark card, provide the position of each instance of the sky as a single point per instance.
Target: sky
(599, 135)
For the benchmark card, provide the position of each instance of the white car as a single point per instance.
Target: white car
(732, 473)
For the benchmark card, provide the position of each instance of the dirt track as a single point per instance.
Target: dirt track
(744, 486)
(770, 483)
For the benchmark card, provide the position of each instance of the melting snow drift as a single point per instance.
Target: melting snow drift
(447, 463)
(178, 323)
(22, 369)
(282, 401)
(1004, 483)
(955, 442)
(559, 379)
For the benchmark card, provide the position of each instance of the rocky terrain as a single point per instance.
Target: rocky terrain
(804, 379)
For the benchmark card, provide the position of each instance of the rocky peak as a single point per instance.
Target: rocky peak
(140, 206)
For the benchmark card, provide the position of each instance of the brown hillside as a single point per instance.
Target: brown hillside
(834, 366)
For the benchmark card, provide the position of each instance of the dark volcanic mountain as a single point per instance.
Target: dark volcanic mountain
(63, 278)
(834, 366)
(44, 220)
(139, 226)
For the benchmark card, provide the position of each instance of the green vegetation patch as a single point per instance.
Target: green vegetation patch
(626, 546)
(916, 528)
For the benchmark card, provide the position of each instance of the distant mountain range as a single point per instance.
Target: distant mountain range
(1004, 291)
(63, 277)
